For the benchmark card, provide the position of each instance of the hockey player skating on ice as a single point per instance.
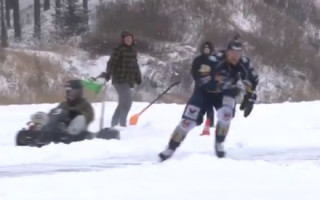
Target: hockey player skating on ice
(218, 88)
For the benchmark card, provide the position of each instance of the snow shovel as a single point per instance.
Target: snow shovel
(134, 119)
(96, 87)
(103, 133)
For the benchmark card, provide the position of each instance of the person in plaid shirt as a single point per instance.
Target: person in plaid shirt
(124, 71)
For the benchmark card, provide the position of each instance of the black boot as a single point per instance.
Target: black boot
(168, 152)
(221, 134)
(219, 149)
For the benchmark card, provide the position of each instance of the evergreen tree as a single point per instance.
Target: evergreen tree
(73, 18)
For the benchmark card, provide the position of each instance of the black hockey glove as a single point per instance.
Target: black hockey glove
(247, 103)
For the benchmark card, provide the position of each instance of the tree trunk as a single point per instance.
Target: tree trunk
(71, 6)
(86, 14)
(58, 22)
(4, 33)
(85, 4)
(58, 7)
(16, 19)
(71, 15)
(37, 20)
(8, 9)
(46, 5)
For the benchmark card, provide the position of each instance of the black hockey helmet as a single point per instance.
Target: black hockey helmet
(235, 43)
(74, 90)
(234, 50)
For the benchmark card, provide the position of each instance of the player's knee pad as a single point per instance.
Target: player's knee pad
(77, 125)
(225, 113)
(182, 129)
(186, 125)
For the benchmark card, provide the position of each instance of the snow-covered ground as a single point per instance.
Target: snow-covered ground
(272, 154)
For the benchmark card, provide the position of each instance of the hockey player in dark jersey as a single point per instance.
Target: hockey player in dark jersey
(206, 50)
(218, 87)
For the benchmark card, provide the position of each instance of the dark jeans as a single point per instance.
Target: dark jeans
(124, 104)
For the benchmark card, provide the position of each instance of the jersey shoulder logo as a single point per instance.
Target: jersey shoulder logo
(213, 58)
(204, 69)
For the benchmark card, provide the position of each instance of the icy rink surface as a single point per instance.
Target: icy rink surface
(272, 154)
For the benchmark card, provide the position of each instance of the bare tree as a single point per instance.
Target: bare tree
(4, 34)
(37, 19)
(16, 19)
(46, 5)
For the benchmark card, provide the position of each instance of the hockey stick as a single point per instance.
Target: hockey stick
(134, 119)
